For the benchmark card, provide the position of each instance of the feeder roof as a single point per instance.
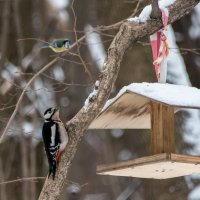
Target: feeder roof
(131, 109)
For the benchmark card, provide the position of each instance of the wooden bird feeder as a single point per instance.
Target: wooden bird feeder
(150, 106)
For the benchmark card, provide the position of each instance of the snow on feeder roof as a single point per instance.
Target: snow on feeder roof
(130, 109)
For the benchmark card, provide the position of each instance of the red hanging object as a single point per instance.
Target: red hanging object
(160, 49)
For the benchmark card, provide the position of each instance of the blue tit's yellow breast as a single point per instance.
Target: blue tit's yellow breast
(58, 50)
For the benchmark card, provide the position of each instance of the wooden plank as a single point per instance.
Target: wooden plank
(185, 158)
(168, 129)
(162, 126)
(130, 111)
(159, 166)
(138, 161)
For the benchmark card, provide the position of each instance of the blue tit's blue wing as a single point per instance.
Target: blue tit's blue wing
(58, 43)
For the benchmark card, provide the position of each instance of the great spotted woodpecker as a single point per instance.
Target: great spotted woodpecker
(55, 138)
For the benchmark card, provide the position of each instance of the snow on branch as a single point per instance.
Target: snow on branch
(92, 96)
(146, 12)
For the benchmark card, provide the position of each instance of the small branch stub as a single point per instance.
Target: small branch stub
(92, 96)
(156, 13)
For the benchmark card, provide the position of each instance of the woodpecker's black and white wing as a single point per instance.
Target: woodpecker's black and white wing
(51, 138)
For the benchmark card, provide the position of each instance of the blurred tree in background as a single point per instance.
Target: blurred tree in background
(66, 84)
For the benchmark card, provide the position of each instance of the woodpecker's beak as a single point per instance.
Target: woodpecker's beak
(56, 114)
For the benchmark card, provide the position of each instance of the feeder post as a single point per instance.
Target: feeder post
(162, 128)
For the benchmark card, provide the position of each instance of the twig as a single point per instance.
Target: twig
(67, 84)
(22, 179)
(37, 178)
(36, 39)
(118, 24)
(78, 49)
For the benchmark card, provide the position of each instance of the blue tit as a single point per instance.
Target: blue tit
(59, 45)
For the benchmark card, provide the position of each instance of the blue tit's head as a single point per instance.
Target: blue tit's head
(60, 43)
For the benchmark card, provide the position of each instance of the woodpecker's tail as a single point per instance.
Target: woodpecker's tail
(52, 169)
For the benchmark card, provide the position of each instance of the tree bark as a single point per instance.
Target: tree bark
(128, 33)
(156, 13)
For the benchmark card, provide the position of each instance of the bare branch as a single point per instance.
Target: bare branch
(76, 38)
(36, 39)
(118, 24)
(76, 127)
(22, 179)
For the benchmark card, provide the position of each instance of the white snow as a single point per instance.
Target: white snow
(95, 46)
(176, 67)
(192, 131)
(177, 95)
(195, 194)
(60, 6)
(10, 72)
(58, 73)
(117, 133)
(8, 75)
(146, 12)
(27, 128)
(92, 95)
(74, 188)
(194, 30)
(97, 83)
(125, 154)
